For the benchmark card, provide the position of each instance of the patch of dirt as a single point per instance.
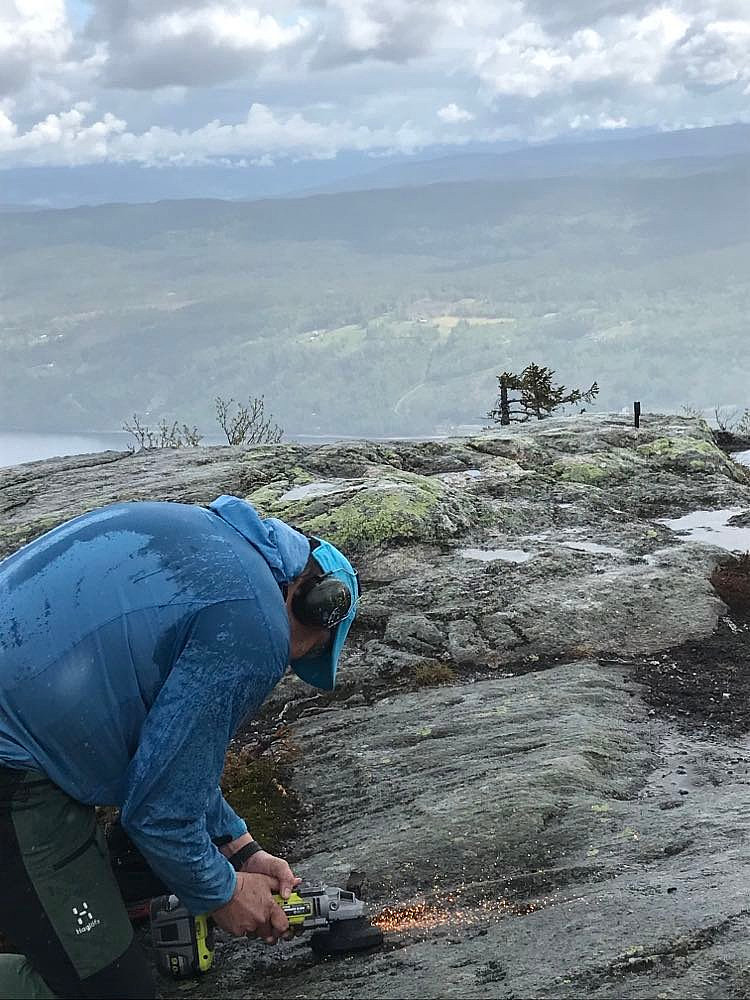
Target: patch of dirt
(703, 686)
(731, 579)
(728, 441)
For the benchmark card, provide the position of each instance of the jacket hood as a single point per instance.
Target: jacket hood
(285, 550)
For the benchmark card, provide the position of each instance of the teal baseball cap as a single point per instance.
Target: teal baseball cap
(320, 669)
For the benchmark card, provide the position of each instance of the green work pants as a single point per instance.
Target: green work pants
(60, 905)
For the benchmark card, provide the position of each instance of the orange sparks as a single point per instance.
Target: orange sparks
(420, 916)
(427, 916)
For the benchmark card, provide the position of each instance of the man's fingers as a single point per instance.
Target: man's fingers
(288, 881)
(287, 885)
(275, 884)
(279, 921)
(265, 930)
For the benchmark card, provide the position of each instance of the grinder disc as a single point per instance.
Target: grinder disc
(345, 936)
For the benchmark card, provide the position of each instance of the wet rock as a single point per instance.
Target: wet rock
(393, 506)
(465, 644)
(691, 455)
(598, 468)
(472, 782)
(508, 746)
(415, 634)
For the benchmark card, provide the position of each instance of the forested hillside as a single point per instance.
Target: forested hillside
(383, 311)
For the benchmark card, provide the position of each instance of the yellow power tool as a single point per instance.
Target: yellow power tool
(184, 944)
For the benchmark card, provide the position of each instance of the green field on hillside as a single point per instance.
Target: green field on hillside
(377, 312)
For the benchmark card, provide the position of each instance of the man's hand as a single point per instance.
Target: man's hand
(253, 910)
(263, 863)
(277, 869)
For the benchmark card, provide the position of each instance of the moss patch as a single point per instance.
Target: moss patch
(692, 456)
(256, 788)
(597, 468)
(433, 673)
(379, 516)
(389, 506)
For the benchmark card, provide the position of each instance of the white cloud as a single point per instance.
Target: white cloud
(452, 114)
(194, 43)
(34, 37)
(351, 31)
(529, 62)
(716, 54)
(71, 139)
(324, 76)
(66, 136)
(218, 25)
(599, 121)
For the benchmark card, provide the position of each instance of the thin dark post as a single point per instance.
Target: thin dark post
(504, 404)
(637, 414)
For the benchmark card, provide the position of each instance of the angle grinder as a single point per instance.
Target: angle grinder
(184, 944)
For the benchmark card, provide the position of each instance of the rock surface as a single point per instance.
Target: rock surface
(536, 748)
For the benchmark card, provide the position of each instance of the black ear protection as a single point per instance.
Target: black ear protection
(322, 601)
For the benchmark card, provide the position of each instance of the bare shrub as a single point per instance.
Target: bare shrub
(163, 435)
(688, 410)
(249, 424)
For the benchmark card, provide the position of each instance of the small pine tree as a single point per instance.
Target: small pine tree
(503, 412)
(533, 393)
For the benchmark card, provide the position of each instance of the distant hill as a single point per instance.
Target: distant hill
(685, 151)
(629, 151)
(18, 208)
(382, 311)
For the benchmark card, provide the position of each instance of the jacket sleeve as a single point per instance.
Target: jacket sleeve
(228, 665)
(221, 820)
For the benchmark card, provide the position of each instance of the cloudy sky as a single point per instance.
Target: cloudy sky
(190, 81)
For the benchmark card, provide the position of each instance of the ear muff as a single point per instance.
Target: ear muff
(322, 601)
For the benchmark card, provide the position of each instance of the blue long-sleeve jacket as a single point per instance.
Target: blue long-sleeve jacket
(133, 641)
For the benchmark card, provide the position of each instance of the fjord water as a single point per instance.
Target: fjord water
(17, 447)
(21, 446)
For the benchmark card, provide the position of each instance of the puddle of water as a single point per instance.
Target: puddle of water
(461, 478)
(655, 558)
(491, 555)
(743, 457)
(310, 490)
(712, 527)
(593, 547)
(582, 546)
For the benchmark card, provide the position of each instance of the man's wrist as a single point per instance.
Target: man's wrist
(238, 859)
(230, 847)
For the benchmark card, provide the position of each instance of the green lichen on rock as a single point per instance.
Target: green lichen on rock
(691, 455)
(376, 516)
(388, 506)
(599, 468)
